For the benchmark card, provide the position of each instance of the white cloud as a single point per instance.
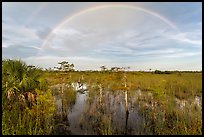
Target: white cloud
(18, 31)
(18, 35)
(68, 32)
(4, 45)
(186, 38)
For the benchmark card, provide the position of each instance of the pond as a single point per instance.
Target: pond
(100, 112)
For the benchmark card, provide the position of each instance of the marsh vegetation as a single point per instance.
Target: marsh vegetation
(99, 102)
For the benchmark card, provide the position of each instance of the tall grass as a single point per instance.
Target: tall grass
(162, 113)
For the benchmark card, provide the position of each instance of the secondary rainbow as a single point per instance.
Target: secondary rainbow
(95, 8)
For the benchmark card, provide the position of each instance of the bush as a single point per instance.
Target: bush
(27, 105)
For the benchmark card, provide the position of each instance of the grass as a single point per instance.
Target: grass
(36, 120)
(158, 102)
(166, 118)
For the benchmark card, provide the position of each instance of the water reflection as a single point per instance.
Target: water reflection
(75, 113)
(98, 112)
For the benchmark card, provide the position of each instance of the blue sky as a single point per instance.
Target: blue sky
(164, 36)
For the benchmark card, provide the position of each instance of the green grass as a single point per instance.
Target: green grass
(166, 118)
(38, 118)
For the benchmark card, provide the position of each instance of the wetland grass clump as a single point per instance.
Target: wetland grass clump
(174, 113)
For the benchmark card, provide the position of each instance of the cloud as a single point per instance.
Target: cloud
(184, 54)
(19, 51)
(4, 46)
(109, 37)
(4, 21)
(19, 41)
(70, 32)
(18, 31)
(186, 38)
(146, 54)
(91, 31)
(130, 44)
(43, 32)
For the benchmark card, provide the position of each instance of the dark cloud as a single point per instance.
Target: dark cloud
(4, 38)
(3, 21)
(18, 51)
(43, 32)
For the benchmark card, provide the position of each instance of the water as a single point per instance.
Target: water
(107, 109)
(75, 114)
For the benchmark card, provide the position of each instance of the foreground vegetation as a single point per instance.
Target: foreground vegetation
(168, 102)
(27, 103)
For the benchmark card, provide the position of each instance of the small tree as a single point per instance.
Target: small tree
(115, 69)
(65, 66)
(103, 68)
(71, 67)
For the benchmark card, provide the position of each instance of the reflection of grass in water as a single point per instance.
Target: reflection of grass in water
(68, 99)
(66, 93)
(69, 96)
(97, 114)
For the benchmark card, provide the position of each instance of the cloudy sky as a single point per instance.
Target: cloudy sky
(164, 36)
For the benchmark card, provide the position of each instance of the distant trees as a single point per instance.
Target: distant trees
(65, 66)
(162, 72)
(103, 68)
(114, 69)
(71, 66)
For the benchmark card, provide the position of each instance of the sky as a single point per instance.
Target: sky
(139, 35)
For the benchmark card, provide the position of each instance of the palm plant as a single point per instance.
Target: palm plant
(20, 84)
(18, 77)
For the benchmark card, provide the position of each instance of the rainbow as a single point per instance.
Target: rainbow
(95, 8)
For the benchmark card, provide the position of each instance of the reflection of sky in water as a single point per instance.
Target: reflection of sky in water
(75, 114)
(134, 120)
(115, 105)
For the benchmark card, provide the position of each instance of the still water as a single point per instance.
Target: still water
(103, 113)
